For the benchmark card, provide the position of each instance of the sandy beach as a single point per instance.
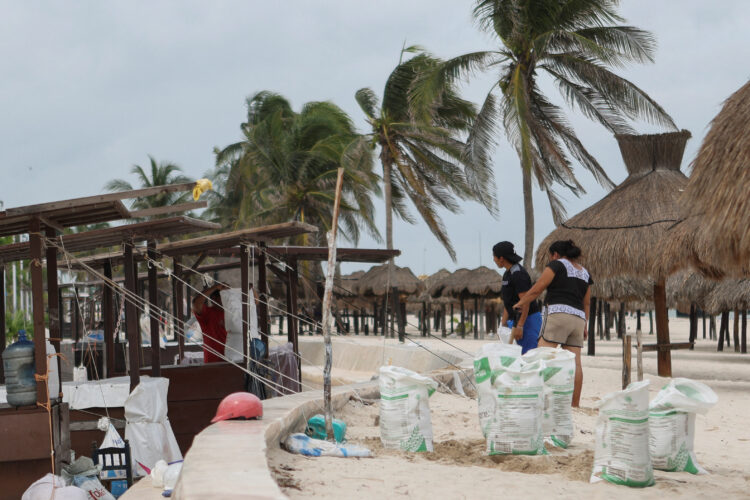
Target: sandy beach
(459, 468)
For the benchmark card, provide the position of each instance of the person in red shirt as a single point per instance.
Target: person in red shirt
(210, 315)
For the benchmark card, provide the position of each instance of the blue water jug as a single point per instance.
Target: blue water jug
(18, 362)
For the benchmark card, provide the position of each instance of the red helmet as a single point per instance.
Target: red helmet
(239, 405)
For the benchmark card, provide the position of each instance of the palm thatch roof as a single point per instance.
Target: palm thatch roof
(685, 245)
(375, 281)
(346, 285)
(682, 288)
(479, 282)
(729, 294)
(619, 234)
(431, 282)
(720, 182)
(716, 234)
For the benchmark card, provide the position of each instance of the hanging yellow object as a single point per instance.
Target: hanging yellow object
(201, 186)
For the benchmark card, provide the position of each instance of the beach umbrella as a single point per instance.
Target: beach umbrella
(620, 233)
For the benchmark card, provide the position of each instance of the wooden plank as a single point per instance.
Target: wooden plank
(666, 347)
(37, 296)
(32, 443)
(131, 318)
(169, 209)
(53, 311)
(664, 358)
(627, 351)
(2, 320)
(42, 208)
(93, 426)
(244, 287)
(263, 298)
(108, 315)
(153, 299)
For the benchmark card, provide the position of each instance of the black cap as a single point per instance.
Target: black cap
(505, 249)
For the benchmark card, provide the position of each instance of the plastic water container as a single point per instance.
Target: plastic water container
(18, 362)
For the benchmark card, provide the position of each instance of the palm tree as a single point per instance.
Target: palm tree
(577, 44)
(420, 152)
(285, 168)
(160, 175)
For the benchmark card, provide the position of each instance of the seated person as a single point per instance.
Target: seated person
(210, 315)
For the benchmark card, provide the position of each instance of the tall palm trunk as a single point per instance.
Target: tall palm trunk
(528, 210)
(386, 160)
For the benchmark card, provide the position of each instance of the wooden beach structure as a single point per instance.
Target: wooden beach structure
(620, 234)
(51, 429)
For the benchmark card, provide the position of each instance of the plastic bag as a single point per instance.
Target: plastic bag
(516, 424)
(43, 490)
(559, 380)
(621, 455)
(80, 374)
(491, 360)
(672, 424)
(305, 445)
(405, 409)
(505, 335)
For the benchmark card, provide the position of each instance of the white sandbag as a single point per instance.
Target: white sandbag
(516, 425)
(559, 380)
(148, 430)
(621, 453)
(112, 439)
(51, 486)
(231, 301)
(505, 335)
(491, 360)
(405, 409)
(92, 488)
(672, 424)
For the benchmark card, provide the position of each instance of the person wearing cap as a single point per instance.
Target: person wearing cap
(527, 322)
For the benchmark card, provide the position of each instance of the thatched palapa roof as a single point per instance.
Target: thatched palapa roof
(375, 281)
(728, 295)
(479, 282)
(715, 203)
(619, 234)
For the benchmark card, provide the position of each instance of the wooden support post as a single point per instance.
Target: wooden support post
(179, 311)
(108, 317)
(37, 300)
(356, 322)
(476, 318)
(131, 317)
(442, 321)
(53, 309)
(743, 346)
(664, 354)
(293, 336)
(425, 319)
(396, 314)
(463, 319)
(650, 322)
(736, 330)
(245, 297)
(627, 351)
(600, 319)
(703, 317)
(263, 293)
(722, 326)
(693, 324)
(2, 321)
(712, 327)
(451, 318)
(621, 321)
(153, 300)
(607, 320)
(639, 353)
(591, 328)
(638, 320)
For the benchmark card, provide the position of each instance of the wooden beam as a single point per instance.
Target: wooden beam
(244, 287)
(108, 315)
(292, 324)
(592, 328)
(179, 313)
(89, 200)
(666, 347)
(2, 320)
(37, 297)
(664, 357)
(131, 318)
(153, 299)
(169, 209)
(263, 296)
(53, 309)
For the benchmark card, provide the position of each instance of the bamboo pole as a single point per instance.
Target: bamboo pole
(327, 306)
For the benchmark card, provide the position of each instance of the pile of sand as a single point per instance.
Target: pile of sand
(460, 468)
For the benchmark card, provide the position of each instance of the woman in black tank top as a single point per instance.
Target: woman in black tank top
(567, 304)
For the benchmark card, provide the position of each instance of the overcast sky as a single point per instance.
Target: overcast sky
(90, 88)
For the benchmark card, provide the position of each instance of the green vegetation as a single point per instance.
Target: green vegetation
(159, 175)
(577, 44)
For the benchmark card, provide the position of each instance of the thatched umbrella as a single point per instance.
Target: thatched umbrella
(619, 234)
(717, 192)
(402, 283)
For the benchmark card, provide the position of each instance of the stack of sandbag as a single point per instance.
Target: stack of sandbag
(559, 379)
(405, 409)
(492, 360)
(51, 486)
(516, 424)
(621, 455)
(83, 474)
(672, 424)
